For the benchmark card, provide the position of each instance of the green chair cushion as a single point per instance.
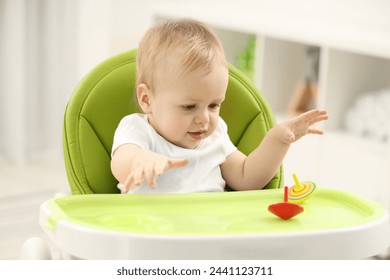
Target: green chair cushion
(106, 94)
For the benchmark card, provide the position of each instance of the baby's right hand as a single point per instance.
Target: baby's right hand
(147, 167)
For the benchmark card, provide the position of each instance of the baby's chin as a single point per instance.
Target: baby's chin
(190, 144)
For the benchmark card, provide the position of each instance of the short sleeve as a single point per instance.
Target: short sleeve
(228, 146)
(132, 129)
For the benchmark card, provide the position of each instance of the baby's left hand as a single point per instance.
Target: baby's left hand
(292, 130)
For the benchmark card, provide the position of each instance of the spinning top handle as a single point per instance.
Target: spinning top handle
(297, 184)
(285, 194)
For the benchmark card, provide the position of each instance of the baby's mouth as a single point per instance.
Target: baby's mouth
(198, 135)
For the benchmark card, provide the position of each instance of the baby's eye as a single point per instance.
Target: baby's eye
(189, 107)
(214, 106)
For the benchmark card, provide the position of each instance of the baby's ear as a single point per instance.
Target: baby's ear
(143, 97)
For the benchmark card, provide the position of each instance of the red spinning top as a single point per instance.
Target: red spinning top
(285, 209)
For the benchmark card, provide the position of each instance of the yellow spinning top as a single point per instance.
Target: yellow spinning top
(301, 191)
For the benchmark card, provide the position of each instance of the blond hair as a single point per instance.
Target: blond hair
(177, 47)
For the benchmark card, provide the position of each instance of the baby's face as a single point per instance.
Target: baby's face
(186, 111)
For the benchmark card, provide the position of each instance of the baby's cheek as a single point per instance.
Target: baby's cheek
(212, 128)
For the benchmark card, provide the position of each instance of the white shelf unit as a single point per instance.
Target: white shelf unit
(337, 159)
(279, 67)
(347, 76)
(354, 59)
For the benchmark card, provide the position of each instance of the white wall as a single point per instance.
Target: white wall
(108, 27)
(37, 72)
(46, 47)
(12, 103)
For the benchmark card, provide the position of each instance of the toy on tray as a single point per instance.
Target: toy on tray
(301, 191)
(285, 209)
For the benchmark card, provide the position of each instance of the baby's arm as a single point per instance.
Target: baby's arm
(132, 165)
(257, 169)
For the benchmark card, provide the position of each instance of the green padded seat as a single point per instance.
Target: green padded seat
(106, 94)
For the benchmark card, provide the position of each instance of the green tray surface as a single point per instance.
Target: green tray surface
(228, 213)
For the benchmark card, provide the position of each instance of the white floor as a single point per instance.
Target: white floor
(22, 190)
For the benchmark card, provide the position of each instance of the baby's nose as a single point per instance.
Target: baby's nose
(202, 117)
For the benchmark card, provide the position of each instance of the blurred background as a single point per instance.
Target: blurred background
(47, 46)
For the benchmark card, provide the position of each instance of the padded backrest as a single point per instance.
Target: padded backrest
(106, 95)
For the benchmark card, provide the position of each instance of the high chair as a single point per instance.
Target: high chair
(98, 223)
(106, 95)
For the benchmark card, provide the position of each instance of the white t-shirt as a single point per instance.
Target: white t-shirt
(202, 174)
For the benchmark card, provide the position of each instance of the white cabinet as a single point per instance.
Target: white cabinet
(349, 75)
(280, 66)
(354, 58)
(341, 159)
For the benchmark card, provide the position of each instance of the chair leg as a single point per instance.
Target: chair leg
(35, 249)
